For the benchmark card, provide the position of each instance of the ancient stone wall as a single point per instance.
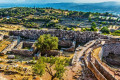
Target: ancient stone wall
(95, 66)
(104, 71)
(111, 48)
(71, 48)
(70, 35)
(28, 44)
(23, 52)
(96, 72)
(19, 46)
(65, 43)
(10, 47)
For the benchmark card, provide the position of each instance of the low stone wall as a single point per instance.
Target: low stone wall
(23, 52)
(87, 59)
(10, 47)
(53, 53)
(103, 71)
(80, 51)
(65, 43)
(19, 46)
(28, 44)
(98, 75)
(96, 67)
(71, 48)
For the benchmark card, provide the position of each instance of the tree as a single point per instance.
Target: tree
(46, 64)
(89, 19)
(116, 33)
(39, 67)
(93, 26)
(110, 18)
(72, 29)
(105, 30)
(100, 26)
(106, 14)
(117, 19)
(46, 43)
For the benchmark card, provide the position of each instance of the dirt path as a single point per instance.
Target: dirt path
(2, 77)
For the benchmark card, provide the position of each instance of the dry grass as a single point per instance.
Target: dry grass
(32, 16)
(7, 27)
(96, 53)
(68, 55)
(4, 44)
(77, 29)
(4, 33)
(11, 27)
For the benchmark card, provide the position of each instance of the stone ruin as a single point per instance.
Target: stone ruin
(84, 56)
(111, 53)
(66, 38)
(24, 48)
(91, 66)
(9, 47)
(61, 34)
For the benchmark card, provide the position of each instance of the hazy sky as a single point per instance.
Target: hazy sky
(55, 1)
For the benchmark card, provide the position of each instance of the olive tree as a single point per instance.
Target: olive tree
(46, 43)
(52, 65)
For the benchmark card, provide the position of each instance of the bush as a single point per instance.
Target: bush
(105, 30)
(116, 33)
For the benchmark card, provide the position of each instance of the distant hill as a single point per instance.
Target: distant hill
(112, 7)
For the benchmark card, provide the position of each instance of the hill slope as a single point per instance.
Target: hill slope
(112, 7)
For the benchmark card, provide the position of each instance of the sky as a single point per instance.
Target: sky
(54, 1)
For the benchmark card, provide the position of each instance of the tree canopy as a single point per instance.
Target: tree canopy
(46, 43)
(46, 65)
(105, 30)
(116, 33)
(93, 26)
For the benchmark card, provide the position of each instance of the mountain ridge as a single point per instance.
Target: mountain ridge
(112, 7)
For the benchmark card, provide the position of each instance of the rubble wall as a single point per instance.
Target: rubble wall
(103, 71)
(96, 67)
(19, 46)
(28, 44)
(70, 35)
(111, 48)
(98, 75)
(10, 47)
(24, 52)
